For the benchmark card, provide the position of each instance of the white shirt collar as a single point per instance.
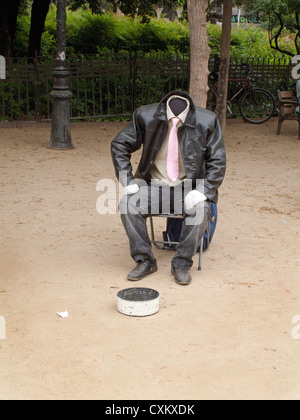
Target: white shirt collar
(184, 113)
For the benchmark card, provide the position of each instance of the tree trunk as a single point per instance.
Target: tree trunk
(199, 51)
(224, 64)
(39, 12)
(8, 23)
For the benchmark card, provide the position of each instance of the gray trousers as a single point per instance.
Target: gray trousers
(154, 199)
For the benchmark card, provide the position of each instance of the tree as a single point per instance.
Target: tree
(199, 51)
(8, 24)
(281, 17)
(39, 13)
(224, 64)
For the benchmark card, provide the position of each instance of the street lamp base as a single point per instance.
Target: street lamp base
(60, 146)
(60, 138)
(61, 130)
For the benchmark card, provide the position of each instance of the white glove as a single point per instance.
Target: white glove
(193, 198)
(131, 189)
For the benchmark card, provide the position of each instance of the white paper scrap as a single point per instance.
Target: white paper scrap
(2, 328)
(63, 314)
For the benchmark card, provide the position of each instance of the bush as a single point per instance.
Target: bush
(247, 41)
(88, 33)
(93, 33)
(21, 37)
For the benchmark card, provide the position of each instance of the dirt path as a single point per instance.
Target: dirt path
(226, 336)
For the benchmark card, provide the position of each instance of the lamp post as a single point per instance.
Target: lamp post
(61, 130)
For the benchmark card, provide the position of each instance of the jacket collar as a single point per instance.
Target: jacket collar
(161, 110)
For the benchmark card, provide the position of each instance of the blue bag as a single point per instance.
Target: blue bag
(174, 226)
(212, 224)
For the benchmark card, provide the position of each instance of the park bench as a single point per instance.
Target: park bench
(287, 109)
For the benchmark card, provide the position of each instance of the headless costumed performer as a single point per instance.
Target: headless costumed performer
(180, 170)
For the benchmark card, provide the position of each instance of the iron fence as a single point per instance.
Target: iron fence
(106, 86)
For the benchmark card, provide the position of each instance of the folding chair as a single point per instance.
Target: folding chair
(166, 244)
(287, 108)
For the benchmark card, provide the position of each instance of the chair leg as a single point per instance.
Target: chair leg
(279, 126)
(200, 255)
(298, 127)
(207, 236)
(152, 228)
(163, 246)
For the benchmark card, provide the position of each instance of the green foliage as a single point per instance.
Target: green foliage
(89, 33)
(156, 36)
(281, 18)
(247, 41)
(48, 41)
(21, 37)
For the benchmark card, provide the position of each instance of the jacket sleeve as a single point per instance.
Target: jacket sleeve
(215, 162)
(125, 143)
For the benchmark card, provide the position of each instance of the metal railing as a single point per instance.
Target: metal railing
(113, 85)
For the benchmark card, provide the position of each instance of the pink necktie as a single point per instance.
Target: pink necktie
(172, 159)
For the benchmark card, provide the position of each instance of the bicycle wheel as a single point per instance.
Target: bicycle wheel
(257, 106)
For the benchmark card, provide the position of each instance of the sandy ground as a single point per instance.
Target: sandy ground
(229, 335)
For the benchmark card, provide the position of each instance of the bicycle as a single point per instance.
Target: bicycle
(256, 105)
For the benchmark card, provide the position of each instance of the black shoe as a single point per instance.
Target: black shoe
(181, 276)
(142, 270)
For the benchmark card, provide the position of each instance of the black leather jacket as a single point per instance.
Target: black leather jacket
(200, 139)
